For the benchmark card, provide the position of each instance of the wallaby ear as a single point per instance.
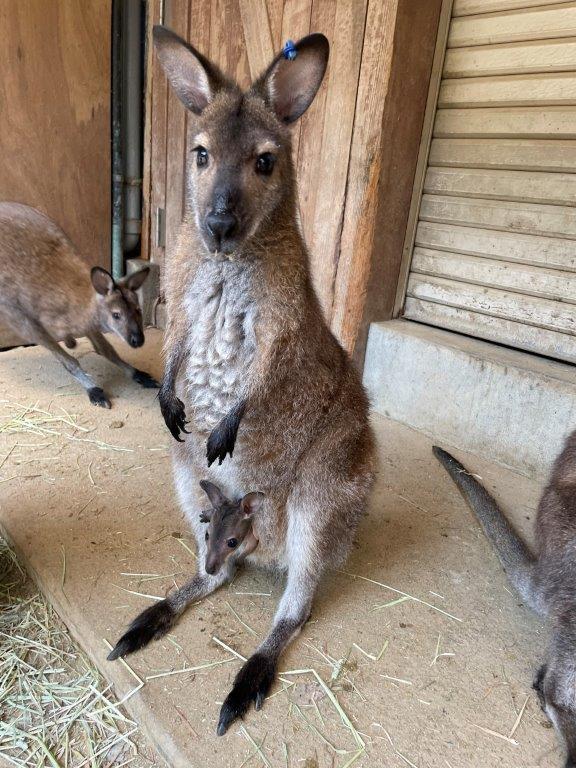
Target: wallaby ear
(217, 498)
(136, 279)
(206, 516)
(291, 82)
(194, 79)
(251, 503)
(102, 281)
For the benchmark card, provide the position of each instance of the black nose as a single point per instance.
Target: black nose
(221, 226)
(136, 339)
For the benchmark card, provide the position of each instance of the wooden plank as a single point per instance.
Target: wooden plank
(423, 151)
(552, 252)
(554, 315)
(295, 25)
(55, 116)
(520, 278)
(468, 7)
(539, 23)
(312, 126)
(512, 58)
(512, 154)
(540, 90)
(527, 218)
(334, 150)
(501, 122)
(227, 45)
(275, 14)
(372, 274)
(521, 186)
(540, 341)
(257, 35)
(176, 123)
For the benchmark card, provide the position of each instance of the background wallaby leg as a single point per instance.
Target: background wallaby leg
(255, 678)
(103, 347)
(33, 331)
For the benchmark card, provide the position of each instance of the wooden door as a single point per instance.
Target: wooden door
(495, 244)
(55, 116)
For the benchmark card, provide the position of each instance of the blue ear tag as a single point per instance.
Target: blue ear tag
(289, 50)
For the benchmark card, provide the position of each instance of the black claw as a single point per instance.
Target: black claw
(252, 684)
(222, 439)
(98, 397)
(174, 413)
(145, 380)
(151, 624)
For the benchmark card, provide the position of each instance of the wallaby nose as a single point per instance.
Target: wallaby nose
(136, 339)
(211, 567)
(221, 226)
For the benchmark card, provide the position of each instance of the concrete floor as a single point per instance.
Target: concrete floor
(445, 693)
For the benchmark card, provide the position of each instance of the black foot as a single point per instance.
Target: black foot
(538, 685)
(98, 397)
(151, 624)
(222, 439)
(145, 380)
(174, 413)
(252, 683)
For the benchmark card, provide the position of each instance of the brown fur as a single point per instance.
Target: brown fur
(546, 579)
(250, 360)
(48, 295)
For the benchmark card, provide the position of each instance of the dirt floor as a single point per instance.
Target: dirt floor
(418, 655)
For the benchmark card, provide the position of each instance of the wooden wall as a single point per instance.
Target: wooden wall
(55, 114)
(357, 143)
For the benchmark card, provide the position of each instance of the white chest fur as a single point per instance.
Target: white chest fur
(222, 314)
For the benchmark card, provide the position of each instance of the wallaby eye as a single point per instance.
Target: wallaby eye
(265, 163)
(201, 156)
(116, 315)
(232, 543)
(206, 536)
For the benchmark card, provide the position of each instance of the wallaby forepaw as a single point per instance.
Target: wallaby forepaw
(174, 413)
(98, 397)
(151, 624)
(252, 684)
(222, 439)
(145, 380)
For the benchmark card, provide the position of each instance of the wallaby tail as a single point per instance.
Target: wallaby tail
(516, 558)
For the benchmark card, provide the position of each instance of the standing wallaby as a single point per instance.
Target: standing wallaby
(230, 527)
(545, 580)
(250, 360)
(48, 294)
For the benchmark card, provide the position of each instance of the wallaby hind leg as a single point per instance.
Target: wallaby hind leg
(35, 332)
(103, 347)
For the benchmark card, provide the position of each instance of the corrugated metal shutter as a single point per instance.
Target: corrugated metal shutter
(495, 247)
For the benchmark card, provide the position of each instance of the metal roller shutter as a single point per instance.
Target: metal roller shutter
(495, 245)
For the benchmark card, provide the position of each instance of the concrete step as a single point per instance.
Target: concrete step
(505, 405)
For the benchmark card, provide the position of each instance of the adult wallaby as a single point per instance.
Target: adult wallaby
(48, 294)
(545, 580)
(247, 346)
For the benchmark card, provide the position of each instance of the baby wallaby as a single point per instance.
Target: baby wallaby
(230, 527)
(546, 580)
(48, 294)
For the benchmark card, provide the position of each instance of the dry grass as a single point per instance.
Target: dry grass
(55, 709)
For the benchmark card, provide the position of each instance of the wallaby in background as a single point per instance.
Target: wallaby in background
(546, 580)
(48, 294)
(250, 360)
(230, 527)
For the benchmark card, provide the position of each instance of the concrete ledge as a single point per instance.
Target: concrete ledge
(505, 405)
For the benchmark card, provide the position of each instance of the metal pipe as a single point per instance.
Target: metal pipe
(116, 130)
(132, 67)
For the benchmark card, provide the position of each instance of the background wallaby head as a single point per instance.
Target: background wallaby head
(118, 306)
(240, 165)
(229, 522)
